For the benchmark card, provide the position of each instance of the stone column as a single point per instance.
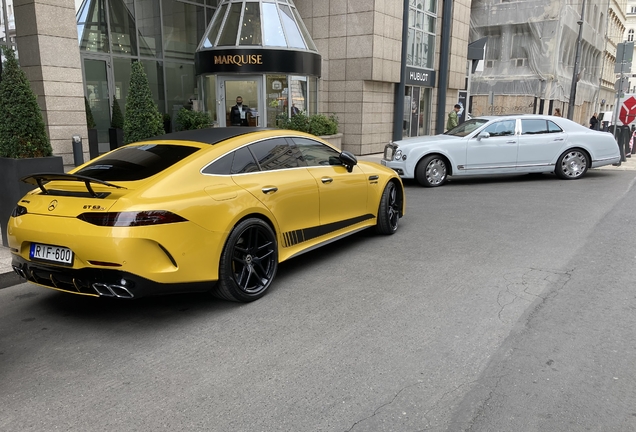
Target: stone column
(48, 50)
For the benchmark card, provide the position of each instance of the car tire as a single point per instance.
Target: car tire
(389, 210)
(248, 262)
(431, 171)
(572, 164)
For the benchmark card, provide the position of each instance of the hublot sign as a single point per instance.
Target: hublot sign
(420, 77)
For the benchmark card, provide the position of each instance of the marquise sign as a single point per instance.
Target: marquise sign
(250, 61)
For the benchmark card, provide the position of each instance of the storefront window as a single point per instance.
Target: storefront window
(180, 82)
(154, 71)
(274, 35)
(230, 29)
(184, 27)
(313, 95)
(122, 27)
(421, 34)
(208, 84)
(417, 104)
(121, 75)
(92, 29)
(251, 31)
(276, 90)
(149, 28)
(298, 95)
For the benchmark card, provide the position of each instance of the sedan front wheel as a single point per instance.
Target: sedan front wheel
(431, 171)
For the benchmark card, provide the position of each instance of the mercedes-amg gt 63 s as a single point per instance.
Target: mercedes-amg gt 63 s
(208, 210)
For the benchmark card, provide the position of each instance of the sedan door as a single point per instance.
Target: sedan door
(495, 154)
(285, 188)
(343, 194)
(540, 142)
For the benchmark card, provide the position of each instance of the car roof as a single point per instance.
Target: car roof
(208, 136)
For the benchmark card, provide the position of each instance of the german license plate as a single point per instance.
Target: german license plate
(56, 254)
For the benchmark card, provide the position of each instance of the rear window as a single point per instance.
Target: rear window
(136, 163)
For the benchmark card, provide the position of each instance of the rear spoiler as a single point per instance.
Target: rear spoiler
(40, 179)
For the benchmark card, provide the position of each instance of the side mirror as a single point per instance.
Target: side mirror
(483, 135)
(348, 160)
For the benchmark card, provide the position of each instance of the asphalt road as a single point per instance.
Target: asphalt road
(504, 304)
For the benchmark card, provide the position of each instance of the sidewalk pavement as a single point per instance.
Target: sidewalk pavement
(8, 276)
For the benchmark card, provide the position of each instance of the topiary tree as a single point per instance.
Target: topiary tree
(143, 119)
(22, 129)
(90, 121)
(189, 120)
(117, 120)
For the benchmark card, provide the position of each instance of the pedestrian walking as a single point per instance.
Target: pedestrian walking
(453, 120)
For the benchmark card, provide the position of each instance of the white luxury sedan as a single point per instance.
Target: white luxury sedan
(512, 144)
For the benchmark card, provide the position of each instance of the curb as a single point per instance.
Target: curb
(10, 279)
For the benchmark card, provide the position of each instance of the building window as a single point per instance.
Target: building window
(518, 54)
(630, 35)
(421, 38)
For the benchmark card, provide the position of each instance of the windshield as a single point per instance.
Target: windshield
(467, 127)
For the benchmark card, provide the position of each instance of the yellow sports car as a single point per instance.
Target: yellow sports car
(206, 210)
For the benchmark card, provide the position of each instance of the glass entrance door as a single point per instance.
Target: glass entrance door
(98, 93)
(250, 90)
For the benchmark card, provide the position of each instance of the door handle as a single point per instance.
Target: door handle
(326, 180)
(269, 190)
(511, 142)
(558, 139)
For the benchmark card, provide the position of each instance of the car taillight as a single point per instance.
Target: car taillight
(130, 219)
(19, 211)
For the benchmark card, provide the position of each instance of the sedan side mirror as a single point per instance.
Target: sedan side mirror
(483, 135)
(348, 160)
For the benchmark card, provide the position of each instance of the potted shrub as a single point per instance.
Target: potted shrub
(143, 120)
(189, 120)
(116, 130)
(93, 141)
(24, 145)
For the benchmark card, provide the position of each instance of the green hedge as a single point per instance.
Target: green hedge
(317, 124)
(189, 120)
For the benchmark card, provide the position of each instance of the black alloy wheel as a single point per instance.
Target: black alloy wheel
(389, 210)
(248, 263)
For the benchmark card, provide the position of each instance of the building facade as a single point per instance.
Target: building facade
(531, 55)
(389, 69)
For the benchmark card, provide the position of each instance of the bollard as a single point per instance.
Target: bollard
(78, 155)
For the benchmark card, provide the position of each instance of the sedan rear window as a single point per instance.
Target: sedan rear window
(136, 163)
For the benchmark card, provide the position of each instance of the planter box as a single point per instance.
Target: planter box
(116, 137)
(11, 171)
(334, 140)
(93, 143)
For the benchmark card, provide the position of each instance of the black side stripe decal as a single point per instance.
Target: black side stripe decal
(291, 238)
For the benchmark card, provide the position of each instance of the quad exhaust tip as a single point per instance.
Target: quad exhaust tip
(112, 290)
(19, 272)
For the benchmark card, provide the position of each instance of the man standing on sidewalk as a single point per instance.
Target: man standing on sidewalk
(452, 117)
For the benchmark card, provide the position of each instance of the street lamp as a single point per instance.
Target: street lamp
(575, 75)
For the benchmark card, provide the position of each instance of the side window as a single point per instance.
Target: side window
(315, 153)
(221, 166)
(274, 154)
(553, 127)
(533, 126)
(244, 162)
(501, 128)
